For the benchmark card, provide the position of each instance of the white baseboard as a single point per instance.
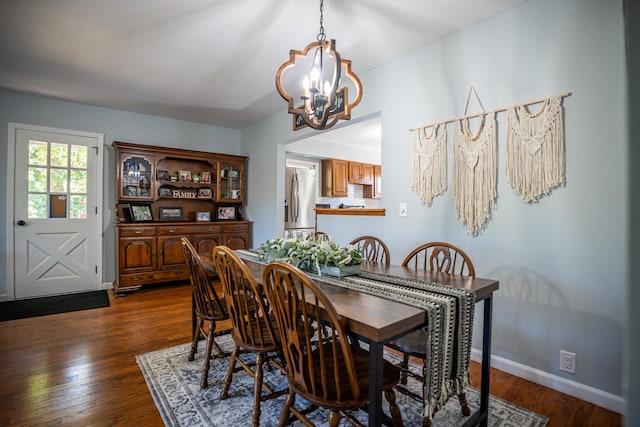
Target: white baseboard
(590, 394)
(4, 297)
(107, 285)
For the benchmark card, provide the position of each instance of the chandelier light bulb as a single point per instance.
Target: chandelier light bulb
(327, 87)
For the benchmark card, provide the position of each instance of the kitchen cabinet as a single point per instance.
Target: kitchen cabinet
(334, 178)
(374, 191)
(172, 187)
(360, 173)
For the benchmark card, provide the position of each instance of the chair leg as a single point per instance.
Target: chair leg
(396, 415)
(227, 381)
(404, 368)
(286, 408)
(194, 342)
(257, 391)
(207, 358)
(334, 418)
(464, 405)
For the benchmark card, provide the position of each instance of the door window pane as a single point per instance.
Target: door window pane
(58, 183)
(78, 206)
(78, 182)
(59, 154)
(37, 206)
(37, 153)
(79, 156)
(37, 179)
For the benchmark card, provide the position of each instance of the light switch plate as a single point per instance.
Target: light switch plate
(403, 209)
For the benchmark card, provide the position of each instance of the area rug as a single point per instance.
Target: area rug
(19, 309)
(174, 384)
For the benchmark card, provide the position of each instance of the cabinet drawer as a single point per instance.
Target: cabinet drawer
(137, 231)
(174, 230)
(136, 279)
(236, 228)
(161, 276)
(205, 229)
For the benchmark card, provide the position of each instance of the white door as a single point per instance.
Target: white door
(57, 219)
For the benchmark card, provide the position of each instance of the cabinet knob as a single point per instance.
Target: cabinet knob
(138, 230)
(171, 230)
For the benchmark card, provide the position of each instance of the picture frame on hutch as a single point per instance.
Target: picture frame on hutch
(205, 193)
(226, 213)
(203, 216)
(140, 212)
(173, 213)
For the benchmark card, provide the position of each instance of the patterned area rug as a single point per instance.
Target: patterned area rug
(174, 385)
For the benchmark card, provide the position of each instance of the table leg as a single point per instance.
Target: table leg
(481, 416)
(486, 362)
(375, 383)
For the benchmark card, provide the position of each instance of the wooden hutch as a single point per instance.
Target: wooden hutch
(163, 194)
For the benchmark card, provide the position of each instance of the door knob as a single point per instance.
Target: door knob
(21, 223)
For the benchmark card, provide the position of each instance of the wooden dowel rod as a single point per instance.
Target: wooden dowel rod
(482, 113)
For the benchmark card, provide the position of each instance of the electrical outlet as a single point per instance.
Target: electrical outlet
(567, 361)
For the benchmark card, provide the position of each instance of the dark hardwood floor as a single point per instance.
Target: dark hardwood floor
(79, 369)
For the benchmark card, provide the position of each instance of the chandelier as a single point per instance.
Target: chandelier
(322, 100)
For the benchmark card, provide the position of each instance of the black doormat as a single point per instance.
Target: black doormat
(20, 309)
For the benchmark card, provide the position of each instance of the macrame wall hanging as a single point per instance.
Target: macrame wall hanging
(535, 149)
(429, 177)
(535, 163)
(475, 172)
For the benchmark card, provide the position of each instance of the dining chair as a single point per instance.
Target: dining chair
(254, 329)
(434, 256)
(373, 249)
(208, 306)
(322, 366)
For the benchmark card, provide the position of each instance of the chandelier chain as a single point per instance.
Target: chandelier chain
(321, 36)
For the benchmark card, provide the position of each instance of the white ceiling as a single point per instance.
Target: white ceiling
(207, 61)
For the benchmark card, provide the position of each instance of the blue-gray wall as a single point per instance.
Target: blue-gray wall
(562, 262)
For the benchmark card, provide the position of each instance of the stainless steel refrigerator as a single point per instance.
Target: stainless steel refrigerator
(300, 197)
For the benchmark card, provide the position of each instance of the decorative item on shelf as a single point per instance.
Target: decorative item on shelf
(323, 101)
(174, 176)
(205, 193)
(205, 176)
(235, 194)
(140, 212)
(184, 175)
(195, 177)
(320, 257)
(203, 216)
(226, 213)
(165, 191)
(162, 175)
(171, 213)
(185, 193)
(130, 190)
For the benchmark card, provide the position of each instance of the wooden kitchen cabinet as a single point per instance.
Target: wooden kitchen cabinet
(360, 173)
(334, 178)
(374, 191)
(174, 186)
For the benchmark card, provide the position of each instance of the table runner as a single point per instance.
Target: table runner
(449, 326)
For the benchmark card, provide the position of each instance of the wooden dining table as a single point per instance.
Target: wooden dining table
(378, 320)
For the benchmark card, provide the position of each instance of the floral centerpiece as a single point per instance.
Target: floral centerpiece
(320, 257)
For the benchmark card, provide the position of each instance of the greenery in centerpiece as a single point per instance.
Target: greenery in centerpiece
(309, 254)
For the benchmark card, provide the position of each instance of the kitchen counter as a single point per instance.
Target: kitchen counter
(351, 211)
